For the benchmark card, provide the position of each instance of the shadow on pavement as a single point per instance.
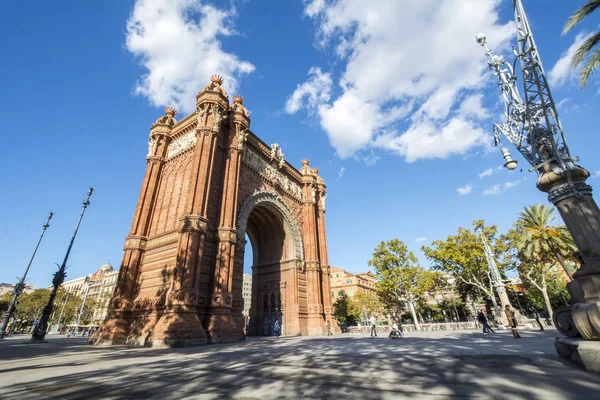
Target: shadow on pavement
(460, 365)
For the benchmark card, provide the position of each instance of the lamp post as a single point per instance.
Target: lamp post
(89, 283)
(39, 333)
(497, 282)
(534, 128)
(61, 311)
(20, 286)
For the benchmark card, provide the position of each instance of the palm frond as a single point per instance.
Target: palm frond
(591, 65)
(580, 14)
(584, 49)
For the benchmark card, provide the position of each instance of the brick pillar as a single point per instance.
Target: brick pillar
(182, 322)
(323, 258)
(311, 252)
(115, 328)
(221, 324)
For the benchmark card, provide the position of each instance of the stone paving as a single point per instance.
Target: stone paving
(426, 365)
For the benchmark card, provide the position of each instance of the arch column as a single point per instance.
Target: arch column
(220, 322)
(115, 329)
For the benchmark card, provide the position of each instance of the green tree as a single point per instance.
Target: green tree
(535, 262)
(345, 310)
(5, 300)
(462, 255)
(584, 54)
(398, 272)
(30, 305)
(369, 302)
(539, 238)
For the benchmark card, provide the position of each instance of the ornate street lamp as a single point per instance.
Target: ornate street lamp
(39, 333)
(20, 286)
(497, 282)
(533, 127)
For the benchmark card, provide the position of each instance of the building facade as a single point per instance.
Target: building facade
(210, 181)
(102, 285)
(351, 283)
(10, 288)
(96, 288)
(247, 294)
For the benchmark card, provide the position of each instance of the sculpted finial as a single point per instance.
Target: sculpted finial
(238, 101)
(277, 154)
(216, 81)
(169, 118)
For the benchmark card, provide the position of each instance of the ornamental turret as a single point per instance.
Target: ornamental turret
(160, 134)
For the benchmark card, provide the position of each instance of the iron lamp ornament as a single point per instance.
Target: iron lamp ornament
(532, 125)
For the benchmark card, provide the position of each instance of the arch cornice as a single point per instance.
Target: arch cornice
(273, 199)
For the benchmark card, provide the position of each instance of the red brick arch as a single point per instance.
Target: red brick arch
(207, 177)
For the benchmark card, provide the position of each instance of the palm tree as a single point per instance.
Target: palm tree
(540, 237)
(584, 52)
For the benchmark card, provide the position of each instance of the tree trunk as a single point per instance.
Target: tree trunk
(498, 312)
(546, 298)
(411, 307)
(559, 259)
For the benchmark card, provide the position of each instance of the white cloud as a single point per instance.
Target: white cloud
(471, 106)
(509, 185)
(315, 91)
(178, 42)
(341, 172)
(490, 172)
(487, 172)
(499, 188)
(562, 72)
(412, 74)
(419, 240)
(493, 190)
(465, 189)
(597, 174)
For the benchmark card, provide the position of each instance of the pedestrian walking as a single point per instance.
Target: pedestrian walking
(483, 321)
(276, 328)
(373, 326)
(537, 319)
(329, 333)
(512, 321)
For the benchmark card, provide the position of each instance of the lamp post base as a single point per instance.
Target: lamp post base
(580, 322)
(584, 352)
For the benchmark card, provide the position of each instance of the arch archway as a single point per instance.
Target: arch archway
(277, 251)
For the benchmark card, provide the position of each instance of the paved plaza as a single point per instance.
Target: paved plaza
(450, 364)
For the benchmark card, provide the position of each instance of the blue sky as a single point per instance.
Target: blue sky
(390, 99)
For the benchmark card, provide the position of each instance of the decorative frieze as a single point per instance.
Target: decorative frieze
(135, 243)
(192, 223)
(162, 239)
(181, 144)
(267, 171)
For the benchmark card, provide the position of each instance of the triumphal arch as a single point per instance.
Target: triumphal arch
(209, 183)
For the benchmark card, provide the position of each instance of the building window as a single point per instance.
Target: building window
(350, 292)
(349, 281)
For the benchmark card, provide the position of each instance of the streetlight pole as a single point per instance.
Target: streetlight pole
(39, 333)
(61, 311)
(20, 286)
(87, 290)
(534, 128)
(496, 280)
